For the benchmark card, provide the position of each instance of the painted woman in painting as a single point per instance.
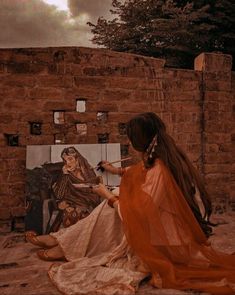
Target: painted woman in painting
(71, 190)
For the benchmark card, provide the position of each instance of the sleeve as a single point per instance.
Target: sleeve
(117, 208)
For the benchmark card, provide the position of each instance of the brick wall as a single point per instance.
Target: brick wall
(197, 106)
(218, 127)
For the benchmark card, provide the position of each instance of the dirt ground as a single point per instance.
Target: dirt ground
(22, 273)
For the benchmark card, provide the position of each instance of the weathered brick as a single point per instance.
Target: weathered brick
(18, 224)
(219, 96)
(58, 105)
(187, 74)
(13, 104)
(12, 92)
(37, 140)
(212, 62)
(36, 115)
(211, 148)
(5, 226)
(6, 118)
(46, 93)
(120, 116)
(181, 95)
(5, 214)
(74, 117)
(217, 85)
(183, 85)
(83, 93)
(103, 71)
(18, 211)
(126, 83)
(60, 81)
(217, 168)
(226, 147)
(5, 54)
(38, 68)
(15, 153)
(182, 127)
(217, 137)
(22, 55)
(102, 106)
(17, 80)
(120, 94)
(18, 68)
(221, 76)
(220, 158)
(92, 82)
(158, 106)
(134, 107)
(2, 68)
(76, 70)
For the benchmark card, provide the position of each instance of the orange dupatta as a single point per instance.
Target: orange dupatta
(163, 232)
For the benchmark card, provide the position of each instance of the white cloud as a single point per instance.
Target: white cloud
(60, 4)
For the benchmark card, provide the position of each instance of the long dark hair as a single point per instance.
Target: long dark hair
(141, 131)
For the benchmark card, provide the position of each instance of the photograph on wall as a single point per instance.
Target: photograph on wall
(59, 180)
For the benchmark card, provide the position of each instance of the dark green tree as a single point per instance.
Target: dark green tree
(172, 29)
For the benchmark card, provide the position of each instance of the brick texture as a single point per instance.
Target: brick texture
(197, 106)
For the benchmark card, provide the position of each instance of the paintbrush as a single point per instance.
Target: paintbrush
(110, 163)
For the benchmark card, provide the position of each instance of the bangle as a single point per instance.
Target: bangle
(112, 200)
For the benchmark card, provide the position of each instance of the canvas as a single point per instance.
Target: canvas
(54, 197)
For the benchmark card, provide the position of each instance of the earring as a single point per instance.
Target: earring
(152, 147)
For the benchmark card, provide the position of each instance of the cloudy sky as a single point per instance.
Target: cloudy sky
(42, 23)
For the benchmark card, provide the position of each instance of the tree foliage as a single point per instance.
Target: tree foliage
(177, 30)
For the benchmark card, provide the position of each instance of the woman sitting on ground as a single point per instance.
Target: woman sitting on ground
(164, 211)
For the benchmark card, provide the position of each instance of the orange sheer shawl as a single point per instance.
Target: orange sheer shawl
(162, 230)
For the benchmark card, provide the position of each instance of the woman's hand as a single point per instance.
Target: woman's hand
(63, 205)
(108, 167)
(102, 191)
(65, 169)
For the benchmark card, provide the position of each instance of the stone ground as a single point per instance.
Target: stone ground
(22, 273)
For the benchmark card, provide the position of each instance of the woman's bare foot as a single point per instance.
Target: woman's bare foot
(52, 254)
(48, 240)
(43, 241)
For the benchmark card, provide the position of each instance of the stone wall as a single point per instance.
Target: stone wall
(197, 106)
